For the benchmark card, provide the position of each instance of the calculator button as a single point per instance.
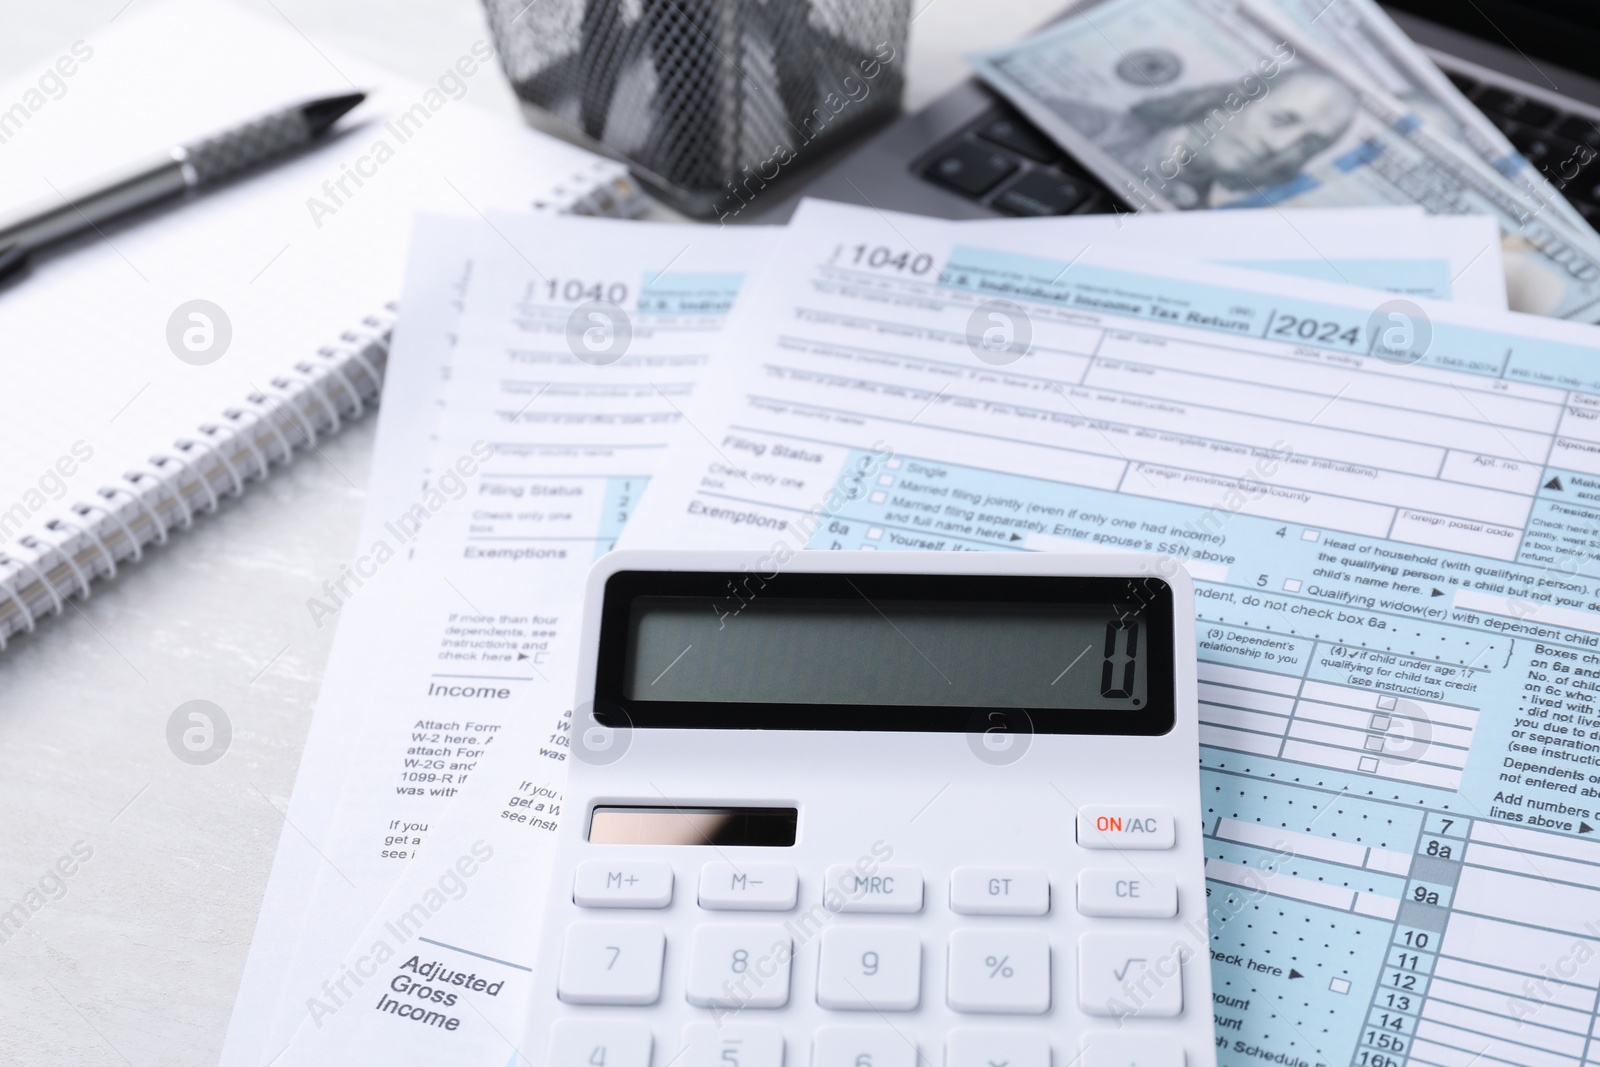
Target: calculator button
(611, 963)
(896, 889)
(748, 886)
(1122, 975)
(713, 1045)
(1124, 826)
(870, 968)
(1127, 893)
(622, 884)
(999, 891)
(583, 1043)
(1128, 1050)
(856, 1046)
(999, 971)
(970, 1047)
(739, 966)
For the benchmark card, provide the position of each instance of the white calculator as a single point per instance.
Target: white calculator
(865, 809)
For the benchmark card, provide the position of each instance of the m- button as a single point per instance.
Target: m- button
(1123, 826)
(748, 886)
(850, 888)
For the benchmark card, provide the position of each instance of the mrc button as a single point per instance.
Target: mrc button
(1124, 826)
(849, 888)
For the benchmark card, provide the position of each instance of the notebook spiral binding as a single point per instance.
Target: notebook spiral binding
(149, 504)
(166, 494)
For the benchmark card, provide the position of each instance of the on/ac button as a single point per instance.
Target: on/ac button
(1125, 827)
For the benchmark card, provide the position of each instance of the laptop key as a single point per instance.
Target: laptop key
(1042, 193)
(1581, 129)
(1021, 138)
(1546, 150)
(1103, 204)
(1467, 85)
(971, 169)
(1499, 102)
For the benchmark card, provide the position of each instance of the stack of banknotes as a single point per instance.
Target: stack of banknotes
(1189, 104)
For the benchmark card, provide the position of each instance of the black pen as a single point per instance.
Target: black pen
(183, 170)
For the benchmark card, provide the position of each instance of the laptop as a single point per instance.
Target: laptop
(1532, 66)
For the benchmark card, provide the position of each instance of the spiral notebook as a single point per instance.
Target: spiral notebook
(123, 417)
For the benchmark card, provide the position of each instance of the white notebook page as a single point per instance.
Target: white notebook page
(294, 255)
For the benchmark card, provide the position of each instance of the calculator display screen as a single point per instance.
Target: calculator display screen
(911, 652)
(774, 827)
(886, 652)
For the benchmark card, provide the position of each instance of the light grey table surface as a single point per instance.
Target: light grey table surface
(136, 958)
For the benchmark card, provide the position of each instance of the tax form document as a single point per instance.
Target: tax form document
(581, 344)
(376, 630)
(1400, 250)
(567, 350)
(1389, 508)
(511, 800)
(468, 647)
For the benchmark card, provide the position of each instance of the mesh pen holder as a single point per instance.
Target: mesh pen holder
(709, 100)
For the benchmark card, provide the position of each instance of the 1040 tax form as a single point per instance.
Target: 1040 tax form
(574, 442)
(1391, 508)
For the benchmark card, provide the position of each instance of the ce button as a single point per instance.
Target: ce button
(1127, 894)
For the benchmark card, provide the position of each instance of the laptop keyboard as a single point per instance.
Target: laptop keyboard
(1003, 162)
(1564, 146)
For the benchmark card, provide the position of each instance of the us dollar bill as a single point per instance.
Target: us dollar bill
(1193, 104)
(1363, 35)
